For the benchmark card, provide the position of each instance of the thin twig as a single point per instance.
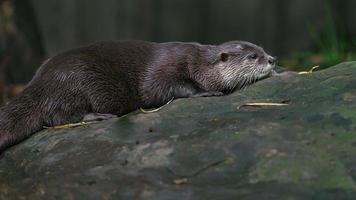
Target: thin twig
(259, 104)
(70, 125)
(156, 109)
(310, 71)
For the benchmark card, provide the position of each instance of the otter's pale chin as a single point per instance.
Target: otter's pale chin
(266, 71)
(269, 67)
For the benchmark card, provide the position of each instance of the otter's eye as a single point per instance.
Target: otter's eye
(224, 57)
(253, 56)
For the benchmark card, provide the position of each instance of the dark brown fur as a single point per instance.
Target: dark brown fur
(119, 77)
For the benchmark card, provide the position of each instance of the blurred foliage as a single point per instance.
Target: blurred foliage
(330, 45)
(8, 92)
(21, 49)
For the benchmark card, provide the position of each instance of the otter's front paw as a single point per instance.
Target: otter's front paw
(284, 73)
(208, 94)
(98, 117)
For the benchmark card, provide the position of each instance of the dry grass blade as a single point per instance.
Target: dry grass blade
(310, 71)
(70, 125)
(156, 109)
(262, 104)
(151, 111)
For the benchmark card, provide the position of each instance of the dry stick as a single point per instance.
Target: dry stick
(256, 104)
(261, 104)
(156, 109)
(82, 123)
(70, 125)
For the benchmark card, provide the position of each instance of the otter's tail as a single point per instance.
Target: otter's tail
(18, 120)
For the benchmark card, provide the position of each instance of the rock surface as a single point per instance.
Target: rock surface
(204, 148)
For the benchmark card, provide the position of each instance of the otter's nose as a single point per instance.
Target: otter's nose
(272, 60)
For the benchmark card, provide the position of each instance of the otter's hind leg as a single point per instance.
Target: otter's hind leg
(66, 110)
(112, 99)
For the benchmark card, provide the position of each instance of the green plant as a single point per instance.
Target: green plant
(330, 44)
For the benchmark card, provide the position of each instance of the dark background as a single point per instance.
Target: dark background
(278, 25)
(301, 33)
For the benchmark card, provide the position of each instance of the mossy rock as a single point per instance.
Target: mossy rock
(204, 148)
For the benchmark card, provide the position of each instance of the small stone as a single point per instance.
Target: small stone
(180, 181)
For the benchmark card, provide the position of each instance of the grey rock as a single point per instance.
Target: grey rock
(204, 148)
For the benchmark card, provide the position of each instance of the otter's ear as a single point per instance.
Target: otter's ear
(224, 57)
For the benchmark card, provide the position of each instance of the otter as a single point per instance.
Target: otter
(117, 77)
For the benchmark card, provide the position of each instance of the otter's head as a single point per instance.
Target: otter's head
(240, 64)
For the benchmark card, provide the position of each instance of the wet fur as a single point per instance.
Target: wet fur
(119, 77)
